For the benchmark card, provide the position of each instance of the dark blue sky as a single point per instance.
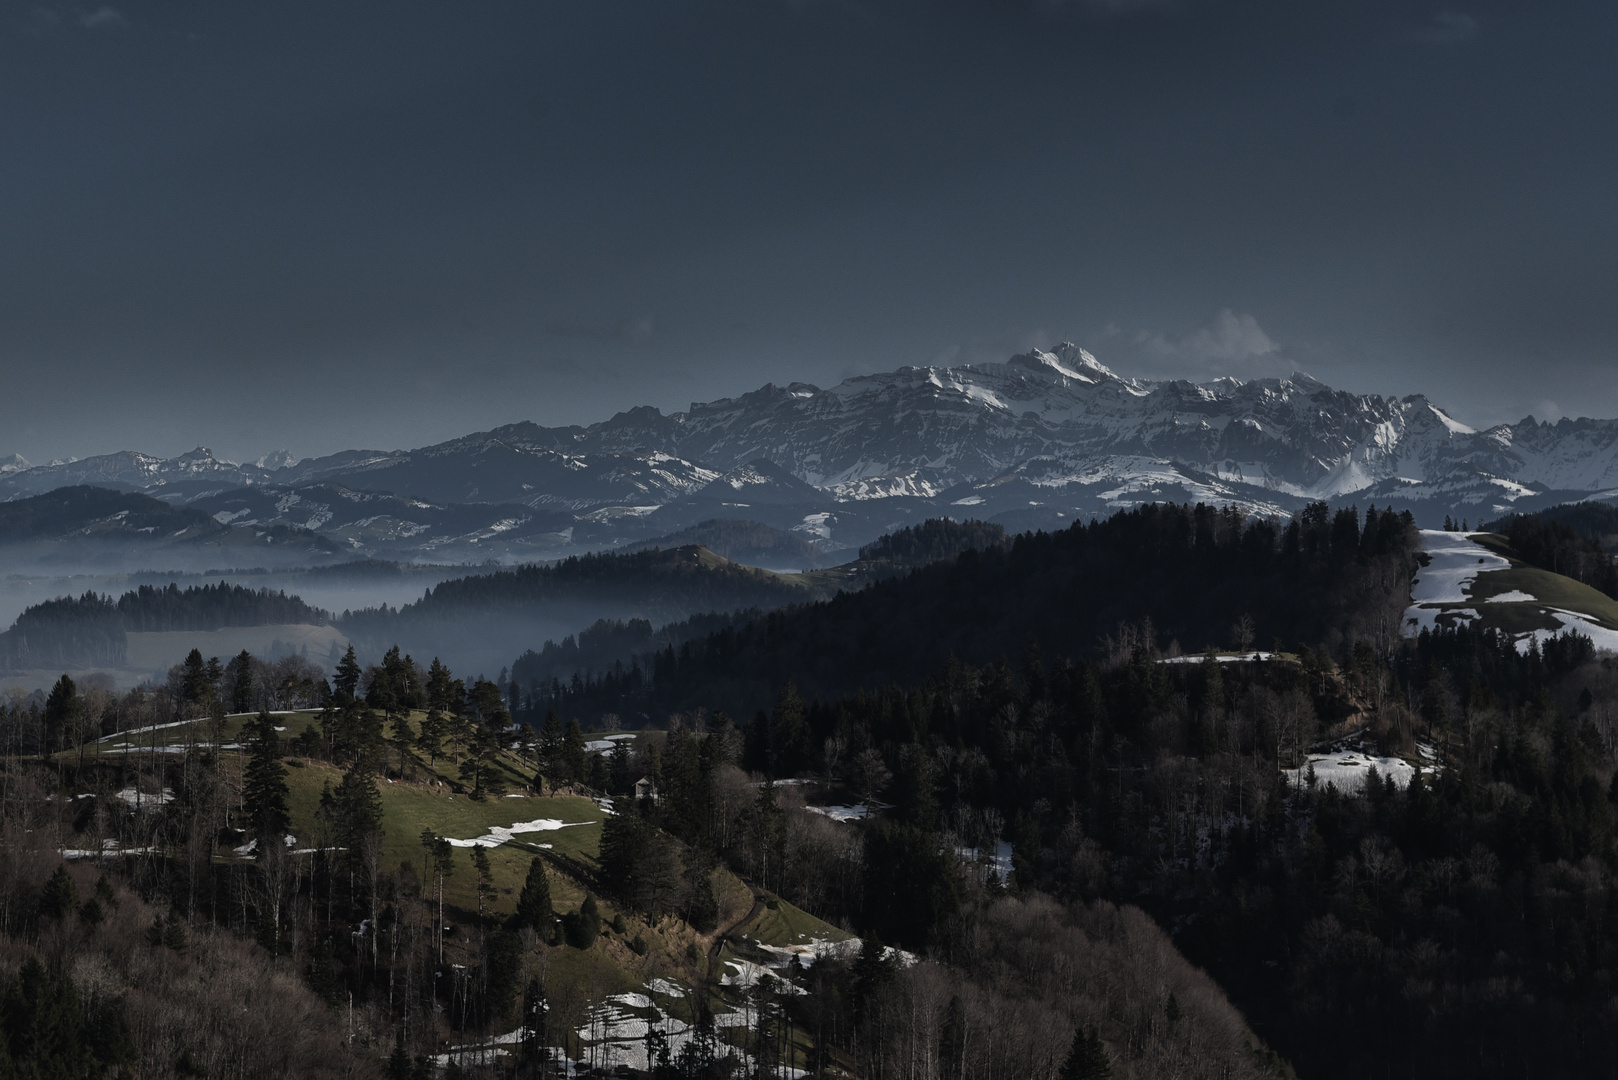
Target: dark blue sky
(326, 224)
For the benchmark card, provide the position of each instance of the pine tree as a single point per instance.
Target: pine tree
(478, 771)
(264, 782)
(398, 1062)
(357, 807)
(430, 739)
(1088, 1058)
(439, 698)
(485, 883)
(534, 1014)
(346, 681)
(789, 730)
(550, 746)
(60, 896)
(241, 682)
(44, 1025)
(534, 902)
(62, 711)
(574, 756)
(174, 932)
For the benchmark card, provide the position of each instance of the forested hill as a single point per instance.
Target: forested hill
(1567, 540)
(1163, 574)
(1595, 521)
(90, 630)
(476, 621)
(933, 540)
(751, 543)
(610, 644)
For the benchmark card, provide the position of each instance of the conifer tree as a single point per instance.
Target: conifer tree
(346, 681)
(241, 682)
(62, 711)
(485, 883)
(1088, 1058)
(574, 756)
(60, 896)
(357, 807)
(534, 902)
(534, 1014)
(264, 782)
(550, 746)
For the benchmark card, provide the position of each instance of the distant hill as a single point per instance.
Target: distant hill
(747, 542)
(99, 527)
(615, 642)
(932, 541)
(92, 630)
(475, 622)
(1595, 521)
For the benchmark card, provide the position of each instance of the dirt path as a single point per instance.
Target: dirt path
(719, 938)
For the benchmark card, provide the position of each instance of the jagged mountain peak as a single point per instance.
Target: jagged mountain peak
(1067, 360)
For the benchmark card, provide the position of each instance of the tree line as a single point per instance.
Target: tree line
(91, 630)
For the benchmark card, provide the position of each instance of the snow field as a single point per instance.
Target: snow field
(1234, 658)
(1348, 764)
(500, 834)
(1455, 561)
(1571, 620)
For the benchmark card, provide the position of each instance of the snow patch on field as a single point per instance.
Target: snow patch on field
(1348, 764)
(808, 952)
(1232, 658)
(841, 813)
(1600, 636)
(143, 730)
(615, 1036)
(1515, 596)
(137, 799)
(999, 861)
(500, 834)
(1454, 562)
(1419, 619)
(109, 849)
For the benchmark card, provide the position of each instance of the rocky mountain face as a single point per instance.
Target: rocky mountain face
(1033, 442)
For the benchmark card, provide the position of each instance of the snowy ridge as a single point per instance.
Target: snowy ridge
(1036, 441)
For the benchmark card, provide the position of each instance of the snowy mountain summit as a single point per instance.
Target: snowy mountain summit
(1035, 441)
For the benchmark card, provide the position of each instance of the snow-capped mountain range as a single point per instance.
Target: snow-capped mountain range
(1036, 441)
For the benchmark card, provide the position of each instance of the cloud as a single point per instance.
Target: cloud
(105, 17)
(1449, 28)
(1233, 343)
